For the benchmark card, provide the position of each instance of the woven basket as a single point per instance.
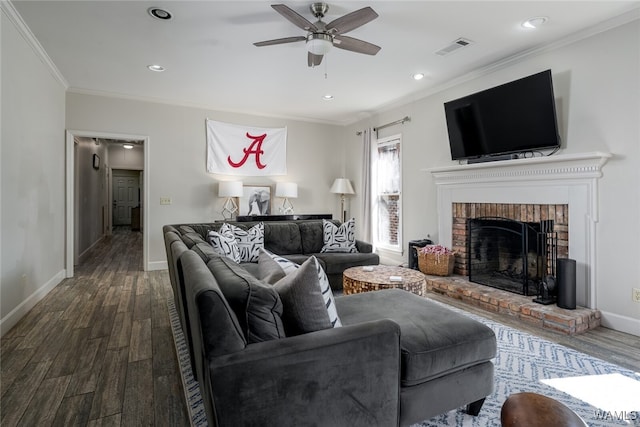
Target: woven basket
(436, 264)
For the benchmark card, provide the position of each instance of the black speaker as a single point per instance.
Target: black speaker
(566, 272)
(413, 255)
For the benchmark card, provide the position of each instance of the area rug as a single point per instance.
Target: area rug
(602, 393)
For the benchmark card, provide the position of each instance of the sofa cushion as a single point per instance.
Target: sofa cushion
(249, 241)
(191, 239)
(339, 239)
(311, 236)
(304, 308)
(338, 262)
(272, 268)
(257, 306)
(224, 243)
(434, 340)
(205, 251)
(282, 238)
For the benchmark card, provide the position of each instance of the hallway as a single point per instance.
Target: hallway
(98, 349)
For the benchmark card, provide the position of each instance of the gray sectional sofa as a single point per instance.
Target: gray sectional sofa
(397, 359)
(296, 240)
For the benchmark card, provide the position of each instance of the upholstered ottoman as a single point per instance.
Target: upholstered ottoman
(445, 356)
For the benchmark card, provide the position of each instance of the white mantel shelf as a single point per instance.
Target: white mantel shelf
(560, 179)
(561, 166)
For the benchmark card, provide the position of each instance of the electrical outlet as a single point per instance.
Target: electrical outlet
(165, 200)
(635, 294)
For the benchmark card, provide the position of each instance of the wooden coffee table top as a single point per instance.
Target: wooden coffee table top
(360, 279)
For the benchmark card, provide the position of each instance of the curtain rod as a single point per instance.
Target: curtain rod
(397, 122)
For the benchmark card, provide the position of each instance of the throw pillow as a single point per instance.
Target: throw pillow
(224, 243)
(303, 308)
(249, 241)
(257, 306)
(339, 239)
(272, 268)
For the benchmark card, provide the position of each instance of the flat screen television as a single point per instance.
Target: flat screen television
(516, 117)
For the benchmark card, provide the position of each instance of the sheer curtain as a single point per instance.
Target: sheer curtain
(367, 179)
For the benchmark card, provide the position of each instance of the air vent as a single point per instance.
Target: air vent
(455, 45)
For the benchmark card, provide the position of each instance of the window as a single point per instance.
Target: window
(387, 190)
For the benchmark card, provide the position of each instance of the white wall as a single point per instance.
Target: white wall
(597, 88)
(32, 220)
(177, 159)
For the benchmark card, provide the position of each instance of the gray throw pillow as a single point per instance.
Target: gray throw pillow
(272, 268)
(303, 306)
(257, 306)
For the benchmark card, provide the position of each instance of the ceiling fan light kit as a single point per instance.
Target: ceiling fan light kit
(321, 37)
(319, 43)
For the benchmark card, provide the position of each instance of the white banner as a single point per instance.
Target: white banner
(246, 150)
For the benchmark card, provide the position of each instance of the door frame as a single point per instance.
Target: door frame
(70, 192)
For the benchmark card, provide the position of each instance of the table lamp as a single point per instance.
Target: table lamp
(230, 190)
(287, 190)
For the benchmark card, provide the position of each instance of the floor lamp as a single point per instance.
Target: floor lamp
(287, 190)
(342, 186)
(230, 190)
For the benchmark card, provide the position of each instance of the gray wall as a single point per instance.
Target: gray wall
(176, 151)
(597, 90)
(32, 177)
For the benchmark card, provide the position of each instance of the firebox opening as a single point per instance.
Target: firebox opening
(511, 255)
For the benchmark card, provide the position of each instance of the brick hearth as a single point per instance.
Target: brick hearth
(552, 317)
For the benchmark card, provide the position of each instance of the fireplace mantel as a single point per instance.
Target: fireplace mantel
(560, 179)
(565, 166)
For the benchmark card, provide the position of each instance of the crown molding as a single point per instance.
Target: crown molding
(12, 14)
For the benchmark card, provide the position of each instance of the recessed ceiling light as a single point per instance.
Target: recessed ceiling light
(532, 23)
(418, 76)
(328, 97)
(127, 146)
(159, 13)
(155, 67)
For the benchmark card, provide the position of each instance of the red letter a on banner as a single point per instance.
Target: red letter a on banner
(254, 148)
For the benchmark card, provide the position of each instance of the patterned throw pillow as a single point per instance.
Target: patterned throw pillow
(339, 239)
(272, 268)
(249, 241)
(224, 243)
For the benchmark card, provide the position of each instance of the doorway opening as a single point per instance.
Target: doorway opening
(106, 175)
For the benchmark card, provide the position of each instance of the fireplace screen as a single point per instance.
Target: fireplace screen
(511, 255)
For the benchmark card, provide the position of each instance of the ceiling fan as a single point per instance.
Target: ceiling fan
(320, 36)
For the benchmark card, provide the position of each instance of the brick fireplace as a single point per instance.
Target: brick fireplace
(524, 212)
(561, 186)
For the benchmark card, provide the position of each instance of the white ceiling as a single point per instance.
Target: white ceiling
(105, 46)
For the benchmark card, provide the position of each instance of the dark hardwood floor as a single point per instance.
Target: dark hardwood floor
(98, 349)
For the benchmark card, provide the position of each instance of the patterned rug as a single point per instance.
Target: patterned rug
(602, 393)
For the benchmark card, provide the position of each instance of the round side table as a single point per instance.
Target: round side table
(376, 277)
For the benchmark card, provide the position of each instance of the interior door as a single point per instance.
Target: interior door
(125, 197)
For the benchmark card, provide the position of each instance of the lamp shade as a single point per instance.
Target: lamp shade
(319, 44)
(230, 189)
(342, 186)
(287, 189)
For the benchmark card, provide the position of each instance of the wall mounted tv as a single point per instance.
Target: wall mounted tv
(516, 117)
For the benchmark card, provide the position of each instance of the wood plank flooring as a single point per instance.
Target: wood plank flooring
(98, 349)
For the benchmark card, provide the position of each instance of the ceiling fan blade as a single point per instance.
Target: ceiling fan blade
(280, 41)
(355, 45)
(294, 17)
(313, 60)
(351, 21)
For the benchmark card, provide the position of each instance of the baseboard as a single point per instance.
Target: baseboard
(620, 323)
(157, 265)
(10, 320)
(87, 252)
